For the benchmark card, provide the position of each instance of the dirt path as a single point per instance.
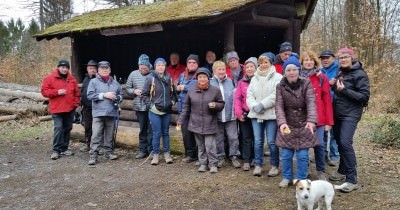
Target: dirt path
(29, 179)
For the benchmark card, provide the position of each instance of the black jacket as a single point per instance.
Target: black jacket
(349, 103)
(85, 102)
(162, 95)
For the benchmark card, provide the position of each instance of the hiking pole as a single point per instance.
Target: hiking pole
(116, 124)
(328, 143)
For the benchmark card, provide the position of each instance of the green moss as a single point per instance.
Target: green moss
(159, 12)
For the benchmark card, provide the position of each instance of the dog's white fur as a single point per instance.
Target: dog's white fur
(309, 192)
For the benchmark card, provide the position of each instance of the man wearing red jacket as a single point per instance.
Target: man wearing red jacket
(62, 90)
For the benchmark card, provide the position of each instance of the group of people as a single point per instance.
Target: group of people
(226, 110)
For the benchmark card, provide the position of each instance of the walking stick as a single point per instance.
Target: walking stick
(115, 131)
(328, 143)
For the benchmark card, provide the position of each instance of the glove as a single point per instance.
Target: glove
(259, 108)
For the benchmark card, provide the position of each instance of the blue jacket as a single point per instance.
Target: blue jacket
(331, 72)
(103, 107)
(227, 88)
(182, 80)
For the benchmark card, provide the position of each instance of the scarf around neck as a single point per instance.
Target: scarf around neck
(204, 86)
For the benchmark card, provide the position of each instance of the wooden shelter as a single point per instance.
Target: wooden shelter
(184, 26)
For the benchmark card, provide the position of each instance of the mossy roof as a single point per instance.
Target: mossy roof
(147, 14)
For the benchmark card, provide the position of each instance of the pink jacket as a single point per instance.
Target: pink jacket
(240, 97)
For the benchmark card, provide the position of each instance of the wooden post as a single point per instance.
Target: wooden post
(75, 59)
(229, 37)
(288, 37)
(296, 35)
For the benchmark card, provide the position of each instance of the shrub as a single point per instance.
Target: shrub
(387, 133)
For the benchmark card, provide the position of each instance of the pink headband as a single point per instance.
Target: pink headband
(346, 51)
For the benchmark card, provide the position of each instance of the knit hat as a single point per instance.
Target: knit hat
(144, 60)
(92, 63)
(232, 55)
(294, 60)
(286, 46)
(160, 60)
(203, 70)
(252, 60)
(346, 50)
(103, 64)
(63, 63)
(193, 57)
(270, 56)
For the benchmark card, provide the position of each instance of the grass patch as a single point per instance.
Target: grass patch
(387, 133)
(22, 131)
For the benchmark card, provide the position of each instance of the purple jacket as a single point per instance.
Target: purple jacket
(240, 97)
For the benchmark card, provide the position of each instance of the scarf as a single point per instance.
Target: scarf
(105, 78)
(308, 73)
(203, 87)
(64, 76)
(293, 85)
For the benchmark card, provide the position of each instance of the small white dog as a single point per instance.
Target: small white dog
(309, 192)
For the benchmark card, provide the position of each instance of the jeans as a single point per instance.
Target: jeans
(103, 130)
(270, 127)
(87, 124)
(160, 128)
(333, 147)
(145, 133)
(287, 163)
(247, 140)
(344, 131)
(62, 130)
(207, 149)
(230, 130)
(319, 151)
(189, 141)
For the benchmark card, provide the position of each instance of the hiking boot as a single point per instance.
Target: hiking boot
(84, 148)
(67, 153)
(213, 169)
(337, 177)
(202, 168)
(257, 171)
(100, 151)
(348, 187)
(155, 160)
(168, 158)
(111, 156)
(273, 171)
(55, 156)
(333, 163)
(141, 155)
(235, 162)
(221, 163)
(188, 159)
(92, 160)
(246, 167)
(284, 183)
(321, 175)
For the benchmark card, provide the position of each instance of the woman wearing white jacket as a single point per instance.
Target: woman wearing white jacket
(261, 102)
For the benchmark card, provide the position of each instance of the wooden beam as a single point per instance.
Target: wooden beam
(75, 59)
(288, 36)
(276, 10)
(296, 35)
(229, 37)
(132, 30)
(271, 22)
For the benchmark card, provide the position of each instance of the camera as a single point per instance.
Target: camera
(117, 100)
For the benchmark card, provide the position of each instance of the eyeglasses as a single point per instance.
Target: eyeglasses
(344, 57)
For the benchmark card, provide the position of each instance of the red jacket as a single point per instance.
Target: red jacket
(64, 103)
(278, 68)
(323, 99)
(174, 72)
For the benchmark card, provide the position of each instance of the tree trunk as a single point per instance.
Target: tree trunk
(17, 93)
(8, 117)
(14, 108)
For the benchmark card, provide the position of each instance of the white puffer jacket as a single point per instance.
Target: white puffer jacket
(262, 89)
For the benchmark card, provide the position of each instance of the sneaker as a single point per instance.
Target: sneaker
(337, 177)
(155, 159)
(100, 151)
(333, 163)
(188, 159)
(273, 171)
(141, 155)
(246, 167)
(168, 158)
(84, 148)
(213, 169)
(67, 153)
(235, 162)
(197, 163)
(257, 171)
(111, 156)
(284, 183)
(321, 175)
(202, 168)
(55, 156)
(348, 187)
(267, 153)
(221, 162)
(92, 160)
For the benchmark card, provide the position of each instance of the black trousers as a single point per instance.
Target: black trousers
(145, 133)
(246, 140)
(87, 124)
(189, 141)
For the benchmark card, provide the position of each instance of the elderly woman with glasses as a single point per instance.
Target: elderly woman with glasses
(296, 116)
